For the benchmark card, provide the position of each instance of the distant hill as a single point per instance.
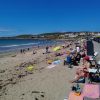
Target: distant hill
(24, 36)
(53, 35)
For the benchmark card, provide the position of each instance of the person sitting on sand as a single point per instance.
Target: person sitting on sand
(83, 54)
(82, 72)
(86, 62)
(58, 54)
(78, 57)
(77, 48)
(68, 60)
(73, 60)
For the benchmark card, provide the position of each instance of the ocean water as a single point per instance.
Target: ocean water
(17, 44)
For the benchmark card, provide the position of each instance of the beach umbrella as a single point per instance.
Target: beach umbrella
(57, 48)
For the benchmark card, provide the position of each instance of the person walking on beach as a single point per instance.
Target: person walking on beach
(28, 49)
(21, 51)
(24, 51)
(47, 48)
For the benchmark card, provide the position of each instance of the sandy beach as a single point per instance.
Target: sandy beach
(42, 84)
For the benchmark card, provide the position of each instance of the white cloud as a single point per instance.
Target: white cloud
(5, 30)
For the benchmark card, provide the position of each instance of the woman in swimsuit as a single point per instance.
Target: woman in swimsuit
(82, 71)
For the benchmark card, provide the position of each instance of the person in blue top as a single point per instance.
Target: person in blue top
(68, 60)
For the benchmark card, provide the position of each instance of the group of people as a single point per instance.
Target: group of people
(82, 71)
(74, 59)
(22, 51)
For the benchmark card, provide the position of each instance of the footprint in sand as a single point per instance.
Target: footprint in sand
(37, 95)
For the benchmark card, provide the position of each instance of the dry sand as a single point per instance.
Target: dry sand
(42, 84)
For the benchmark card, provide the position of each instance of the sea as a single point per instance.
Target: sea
(7, 45)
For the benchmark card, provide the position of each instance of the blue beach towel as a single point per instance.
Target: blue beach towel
(56, 62)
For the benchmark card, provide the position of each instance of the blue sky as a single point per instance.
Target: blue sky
(39, 16)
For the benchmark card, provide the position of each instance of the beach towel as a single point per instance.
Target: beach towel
(30, 68)
(57, 48)
(73, 96)
(91, 91)
(51, 66)
(92, 70)
(56, 62)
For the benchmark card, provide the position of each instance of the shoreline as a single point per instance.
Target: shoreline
(31, 47)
